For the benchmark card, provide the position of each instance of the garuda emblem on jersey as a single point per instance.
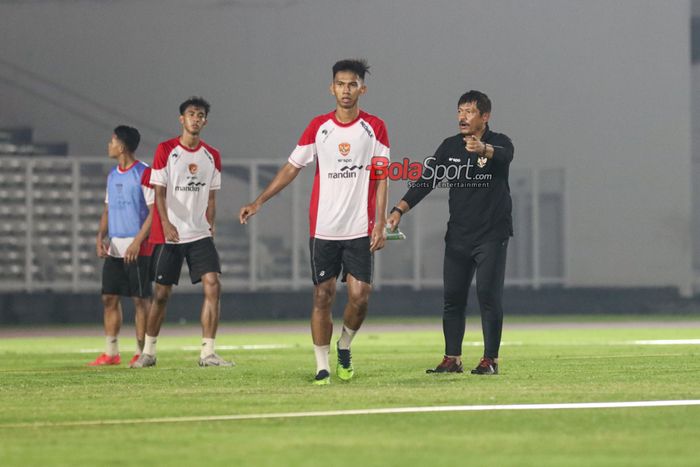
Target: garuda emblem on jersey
(481, 162)
(344, 149)
(193, 168)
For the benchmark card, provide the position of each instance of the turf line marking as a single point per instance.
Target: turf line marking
(381, 411)
(243, 347)
(609, 357)
(218, 347)
(667, 342)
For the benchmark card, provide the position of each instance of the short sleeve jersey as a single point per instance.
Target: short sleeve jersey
(188, 175)
(128, 196)
(343, 198)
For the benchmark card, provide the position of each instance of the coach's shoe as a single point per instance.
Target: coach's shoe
(486, 366)
(214, 360)
(344, 370)
(134, 358)
(447, 365)
(105, 359)
(144, 361)
(322, 378)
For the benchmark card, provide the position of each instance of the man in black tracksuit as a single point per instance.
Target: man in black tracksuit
(474, 165)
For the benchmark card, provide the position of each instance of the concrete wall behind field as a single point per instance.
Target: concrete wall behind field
(600, 88)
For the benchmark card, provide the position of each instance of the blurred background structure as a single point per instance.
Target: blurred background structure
(601, 99)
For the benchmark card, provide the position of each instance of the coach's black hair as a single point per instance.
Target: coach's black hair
(483, 103)
(358, 66)
(129, 136)
(195, 101)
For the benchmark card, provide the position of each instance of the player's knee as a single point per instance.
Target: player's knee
(161, 295)
(212, 285)
(359, 298)
(324, 293)
(110, 302)
(142, 303)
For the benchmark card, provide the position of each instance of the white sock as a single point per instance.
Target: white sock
(321, 352)
(346, 337)
(207, 347)
(112, 347)
(149, 347)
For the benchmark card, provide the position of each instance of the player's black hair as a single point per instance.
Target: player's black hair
(483, 103)
(129, 136)
(195, 101)
(358, 66)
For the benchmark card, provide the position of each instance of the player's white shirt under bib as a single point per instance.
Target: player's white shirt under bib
(343, 197)
(119, 245)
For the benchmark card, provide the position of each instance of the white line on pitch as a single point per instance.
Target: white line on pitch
(218, 347)
(666, 342)
(380, 411)
(243, 347)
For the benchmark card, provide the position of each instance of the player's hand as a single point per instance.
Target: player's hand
(474, 145)
(132, 253)
(247, 212)
(393, 221)
(212, 229)
(101, 248)
(170, 232)
(378, 237)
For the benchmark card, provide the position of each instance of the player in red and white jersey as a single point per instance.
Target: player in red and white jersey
(343, 198)
(347, 213)
(186, 175)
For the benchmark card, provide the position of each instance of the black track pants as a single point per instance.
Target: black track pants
(488, 260)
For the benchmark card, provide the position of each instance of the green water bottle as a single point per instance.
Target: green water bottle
(396, 235)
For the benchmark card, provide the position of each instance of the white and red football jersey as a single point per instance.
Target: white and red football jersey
(343, 199)
(188, 175)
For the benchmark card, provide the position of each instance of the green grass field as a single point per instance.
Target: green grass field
(45, 387)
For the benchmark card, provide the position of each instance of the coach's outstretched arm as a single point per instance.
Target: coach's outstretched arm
(283, 178)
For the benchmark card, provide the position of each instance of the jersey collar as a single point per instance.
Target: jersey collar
(128, 168)
(341, 124)
(188, 149)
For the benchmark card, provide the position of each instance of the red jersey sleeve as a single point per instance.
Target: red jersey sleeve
(159, 174)
(146, 187)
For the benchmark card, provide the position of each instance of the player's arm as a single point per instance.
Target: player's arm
(132, 252)
(211, 211)
(284, 177)
(169, 230)
(100, 246)
(378, 233)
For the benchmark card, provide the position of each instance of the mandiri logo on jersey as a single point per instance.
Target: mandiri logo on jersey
(193, 183)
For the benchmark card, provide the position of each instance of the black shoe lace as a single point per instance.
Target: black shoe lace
(344, 358)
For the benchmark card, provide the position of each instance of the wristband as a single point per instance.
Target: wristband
(397, 210)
